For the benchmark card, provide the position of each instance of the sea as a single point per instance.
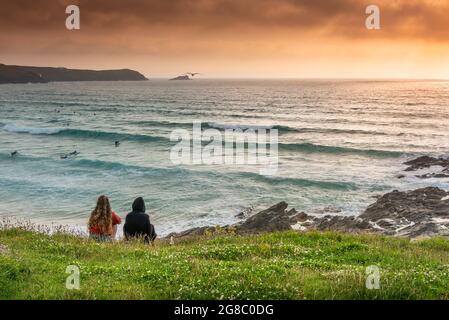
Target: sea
(341, 143)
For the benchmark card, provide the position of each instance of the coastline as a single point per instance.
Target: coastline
(416, 214)
(277, 253)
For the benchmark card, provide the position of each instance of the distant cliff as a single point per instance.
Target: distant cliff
(20, 74)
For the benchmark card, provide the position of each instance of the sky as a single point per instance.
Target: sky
(232, 38)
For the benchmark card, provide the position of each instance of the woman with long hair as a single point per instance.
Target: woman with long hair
(103, 221)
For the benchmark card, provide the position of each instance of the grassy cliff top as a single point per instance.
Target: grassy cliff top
(287, 265)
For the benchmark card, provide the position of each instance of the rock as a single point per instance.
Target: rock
(425, 162)
(421, 212)
(415, 214)
(245, 213)
(350, 224)
(181, 78)
(433, 175)
(410, 205)
(194, 232)
(328, 209)
(275, 218)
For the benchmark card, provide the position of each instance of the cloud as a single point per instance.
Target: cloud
(232, 37)
(417, 19)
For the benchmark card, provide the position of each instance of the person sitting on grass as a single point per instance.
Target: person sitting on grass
(103, 221)
(137, 223)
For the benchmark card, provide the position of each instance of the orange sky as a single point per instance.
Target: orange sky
(232, 38)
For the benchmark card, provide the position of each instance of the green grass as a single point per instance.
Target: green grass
(285, 265)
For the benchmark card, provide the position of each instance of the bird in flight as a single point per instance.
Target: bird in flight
(192, 73)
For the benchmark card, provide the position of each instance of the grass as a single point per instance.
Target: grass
(287, 265)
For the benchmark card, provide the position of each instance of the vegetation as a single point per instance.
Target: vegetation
(286, 265)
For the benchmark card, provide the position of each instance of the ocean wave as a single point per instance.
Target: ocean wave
(276, 180)
(342, 131)
(92, 134)
(304, 147)
(316, 148)
(287, 129)
(31, 130)
(281, 128)
(161, 123)
(96, 164)
(124, 168)
(214, 125)
(85, 134)
(222, 126)
(167, 172)
(211, 125)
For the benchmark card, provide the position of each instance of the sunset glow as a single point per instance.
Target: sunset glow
(263, 38)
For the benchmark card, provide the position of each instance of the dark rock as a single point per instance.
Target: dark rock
(275, 218)
(300, 217)
(245, 213)
(421, 212)
(425, 162)
(328, 209)
(343, 223)
(433, 175)
(194, 232)
(410, 205)
(181, 78)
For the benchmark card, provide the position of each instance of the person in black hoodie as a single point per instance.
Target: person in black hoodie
(137, 223)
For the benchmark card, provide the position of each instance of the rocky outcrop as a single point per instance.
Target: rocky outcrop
(414, 214)
(181, 78)
(21, 74)
(425, 162)
(275, 218)
(421, 212)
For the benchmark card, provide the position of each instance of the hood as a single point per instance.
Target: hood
(139, 205)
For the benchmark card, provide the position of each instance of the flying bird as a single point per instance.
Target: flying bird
(192, 73)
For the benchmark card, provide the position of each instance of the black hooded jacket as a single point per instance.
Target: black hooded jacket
(138, 224)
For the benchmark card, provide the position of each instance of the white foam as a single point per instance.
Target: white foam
(440, 220)
(298, 227)
(31, 130)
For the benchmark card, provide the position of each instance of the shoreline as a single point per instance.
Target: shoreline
(419, 213)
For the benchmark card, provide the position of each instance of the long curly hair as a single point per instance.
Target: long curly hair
(101, 216)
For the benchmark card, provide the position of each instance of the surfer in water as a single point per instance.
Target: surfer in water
(14, 154)
(117, 144)
(71, 154)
